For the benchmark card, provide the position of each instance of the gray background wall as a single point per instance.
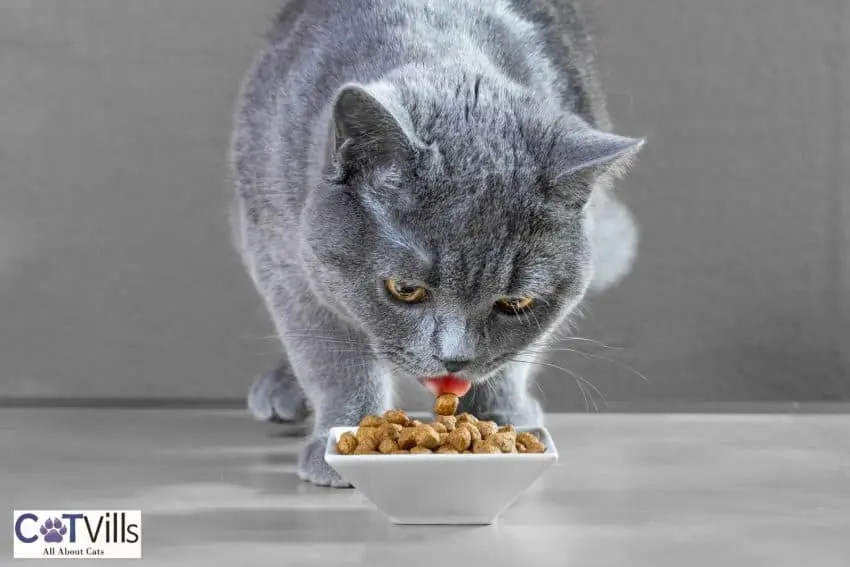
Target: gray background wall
(117, 277)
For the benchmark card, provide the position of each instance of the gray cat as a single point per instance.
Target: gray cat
(424, 187)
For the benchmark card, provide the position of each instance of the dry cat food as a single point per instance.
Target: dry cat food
(396, 434)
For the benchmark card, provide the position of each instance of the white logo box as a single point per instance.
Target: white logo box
(77, 534)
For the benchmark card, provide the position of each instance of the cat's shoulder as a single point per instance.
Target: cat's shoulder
(565, 28)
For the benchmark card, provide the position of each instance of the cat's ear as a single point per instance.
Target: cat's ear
(595, 152)
(370, 129)
(586, 156)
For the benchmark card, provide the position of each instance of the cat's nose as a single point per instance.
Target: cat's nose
(455, 365)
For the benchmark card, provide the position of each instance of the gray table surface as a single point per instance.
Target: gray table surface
(216, 488)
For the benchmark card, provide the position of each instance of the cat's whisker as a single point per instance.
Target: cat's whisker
(262, 337)
(583, 339)
(576, 376)
(598, 357)
(536, 320)
(524, 313)
(540, 389)
(584, 395)
(322, 338)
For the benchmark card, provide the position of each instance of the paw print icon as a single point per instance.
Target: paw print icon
(52, 530)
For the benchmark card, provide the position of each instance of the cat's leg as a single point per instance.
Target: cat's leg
(340, 376)
(343, 387)
(277, 396)
(614, 239)
(505, 398)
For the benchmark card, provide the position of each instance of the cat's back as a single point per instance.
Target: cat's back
(566, 35)
(317, 45)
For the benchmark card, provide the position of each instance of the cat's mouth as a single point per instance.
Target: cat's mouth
(447, 384)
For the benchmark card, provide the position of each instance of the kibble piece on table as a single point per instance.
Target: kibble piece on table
(420, 450)
(446, 404)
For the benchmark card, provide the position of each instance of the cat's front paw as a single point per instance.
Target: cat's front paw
(277, 397)
(313, 468)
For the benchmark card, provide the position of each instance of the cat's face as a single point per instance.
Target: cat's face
(452, 255)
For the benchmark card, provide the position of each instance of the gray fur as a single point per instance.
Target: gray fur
(462, 145)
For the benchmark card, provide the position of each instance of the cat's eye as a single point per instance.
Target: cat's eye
(514, 305)
(405, 292)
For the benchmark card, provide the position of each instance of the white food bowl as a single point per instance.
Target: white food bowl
(442, 489)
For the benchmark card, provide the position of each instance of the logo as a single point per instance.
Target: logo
(77, 534)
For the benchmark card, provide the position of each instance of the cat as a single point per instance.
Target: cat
(423, 187)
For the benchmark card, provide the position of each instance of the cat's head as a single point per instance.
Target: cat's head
(455, 231)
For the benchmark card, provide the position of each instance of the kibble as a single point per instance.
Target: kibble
(361, 450)
(530, 443)
(509, 429)
(395, 433)
(448, 421)
(474, 433)
(526, 438)
(407, 438)
(485, 447)
(446, 404)
(396, 416)
(388, 431)
(427, 437)
(367, 438)
(487, 428)
(387, 446)
(503, 441)
(459, 439)
(371, 421)
(347, 443)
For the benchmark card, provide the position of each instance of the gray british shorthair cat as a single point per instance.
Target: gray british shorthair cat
(424, 187)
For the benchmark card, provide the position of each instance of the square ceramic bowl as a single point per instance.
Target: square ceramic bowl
(442, 489)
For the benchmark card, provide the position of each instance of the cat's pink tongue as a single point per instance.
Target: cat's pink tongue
(447, 384)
